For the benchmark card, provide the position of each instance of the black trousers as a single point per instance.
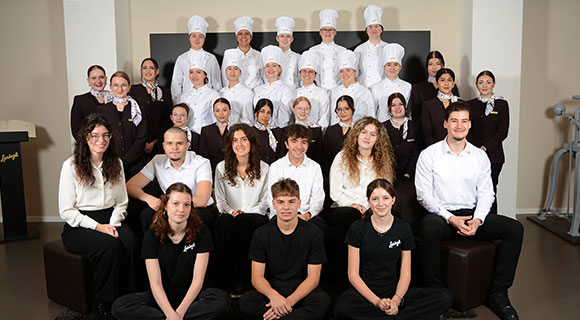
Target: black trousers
(210, 303)
(510, 232)
(314, 306)
(495, 170)
(112, 259)
(232, 239)
(419, 303)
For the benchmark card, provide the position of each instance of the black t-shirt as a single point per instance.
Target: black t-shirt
(379, 256)
(176, 261)
(287, 256)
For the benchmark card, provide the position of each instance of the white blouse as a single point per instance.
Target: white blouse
(320, 101)
(342, 191)
(381, 92)
(327, 76)
(364, 103)
(200, 102)
(370, 62)
(241, 101)
(73, 196)
(252, 66)
(242, 196)
(281, 96)
(180, 82)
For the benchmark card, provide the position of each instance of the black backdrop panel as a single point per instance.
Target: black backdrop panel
(166, 47)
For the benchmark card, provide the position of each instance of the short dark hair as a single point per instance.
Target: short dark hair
(285, 187)
(298, 131)
(459, 105)
(443, 71)
(434, 54)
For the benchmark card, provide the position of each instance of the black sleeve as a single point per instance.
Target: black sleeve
(203, 241)
(257, 248)
(354, 234)
(150, 245)
(407, 236)
(317, 254)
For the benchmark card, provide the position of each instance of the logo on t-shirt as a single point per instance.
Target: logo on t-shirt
(188, 247)
(394, 243)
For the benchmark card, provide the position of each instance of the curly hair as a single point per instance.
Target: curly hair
(231, 161)
(112, 170)
(160, 224)
(382, 154)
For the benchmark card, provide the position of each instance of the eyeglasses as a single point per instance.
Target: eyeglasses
(96, 137)
(342, 109)
(327, 29)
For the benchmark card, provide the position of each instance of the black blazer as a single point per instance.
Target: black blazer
(421, 92)
(314, 148)
(266, 153)
(157, 112)
(333, 141)
(83, 105)
(491, 130)
(211, 144)
(406, 151)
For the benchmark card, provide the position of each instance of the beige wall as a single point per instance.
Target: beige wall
(33, 88)
(550, 75)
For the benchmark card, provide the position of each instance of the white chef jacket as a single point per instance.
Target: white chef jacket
(370, 62)
(252, 69)
(241, 102)
(364, 103)
(383, 89)
(281, 96)
(320, 101)
(327, 76)
(200, 102)
(290, 69)
(180, 82)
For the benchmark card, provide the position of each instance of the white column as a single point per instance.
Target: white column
(497, 46)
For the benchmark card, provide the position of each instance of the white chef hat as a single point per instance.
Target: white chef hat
(244, 23)
(328, 18)
(197, 24)
(308, 60)
(347, 59)
(393, 52)
(271, 54)
(373, 15)
(232, 57)
(198, 60)
(285, 25)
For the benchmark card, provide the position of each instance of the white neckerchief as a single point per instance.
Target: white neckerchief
(490, 102)
(271, 138)
(404, 123)
(307, 124)
(105, 94)
(344, 125)
(136, 116)
(222, 124)
(451, 96)
(156, 92)
(188, 132)
(431, 79)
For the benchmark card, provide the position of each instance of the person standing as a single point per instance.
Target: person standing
(251, 63)
(284, 36)
(240, 97)
(318, 97)
(369, 53)
(327, 50)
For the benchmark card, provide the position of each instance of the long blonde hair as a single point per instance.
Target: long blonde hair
(383, 159)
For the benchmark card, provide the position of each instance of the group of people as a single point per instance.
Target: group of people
(249, 159)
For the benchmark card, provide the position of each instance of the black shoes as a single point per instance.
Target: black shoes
(500, 304)
(103, 310)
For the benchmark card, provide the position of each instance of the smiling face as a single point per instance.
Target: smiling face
(286, 207)
(175, 145)
(344, 112)
(149, 72)
(197, 77)
(178, 207)
(367, 137)
(222, 112)
(179, 117)
(98, 140)
(397, 109)
(327, 34)
(374, 31)
(97, 79)
(307, 76)
(485, 86)
(284, 41)
(233, 73)
(297, 148)
(272, 71)
(241, 144)
(381, 202)
(119, 87)
(392, 70)
(264, 115)
(458, 125)
(244, 37)
(433, 66)
(445, 83)
(196, 40)
(301, 110)
(347, 76)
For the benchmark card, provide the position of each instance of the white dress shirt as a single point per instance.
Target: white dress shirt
(383, 89)
(74, 196)
(344, 192)
(446, 181)
(194, 169)
(251, 69)
(241, 101)
(364, 103)
(320, 101)
(290, 69)
(180, 82)
(281, 96)
(242, 196)
(307, 175)
(370, 63)
(200, 102)
(327, 77)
